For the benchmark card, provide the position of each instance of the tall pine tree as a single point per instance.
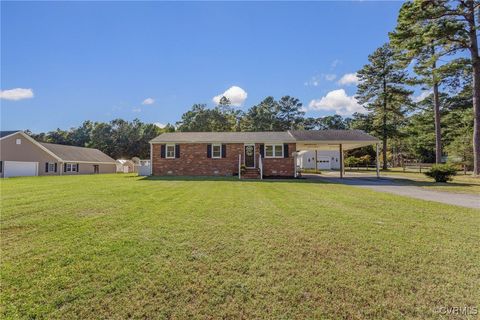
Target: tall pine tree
(381, 90)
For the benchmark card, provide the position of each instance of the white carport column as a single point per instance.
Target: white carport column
(295, 173)
(342, 167)
(377, 160)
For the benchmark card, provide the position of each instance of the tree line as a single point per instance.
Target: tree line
(117, 138)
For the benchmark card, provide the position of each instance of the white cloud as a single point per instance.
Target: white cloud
(235, 94)
(16, 94)
(148, 101)
(348, 79)
(160, 125)
(338, 101)
(422, 95)
(136, 110)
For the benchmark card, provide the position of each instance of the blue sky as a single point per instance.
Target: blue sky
(63, 63)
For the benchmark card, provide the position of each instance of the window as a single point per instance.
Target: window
(274, 151)
(170, 151)
(216, 151)
(71, 167)
(18, 141)
(51, 167)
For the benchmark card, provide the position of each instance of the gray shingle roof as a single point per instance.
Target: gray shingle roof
(272, 136)
(71, 153)
(7, 133)
(332, 135)
(233, 137)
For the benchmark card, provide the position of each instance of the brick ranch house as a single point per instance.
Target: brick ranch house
(253, 154)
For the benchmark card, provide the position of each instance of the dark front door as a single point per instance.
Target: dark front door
(250, 156)
(95, 168)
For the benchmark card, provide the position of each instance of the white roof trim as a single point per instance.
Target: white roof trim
(11, 134)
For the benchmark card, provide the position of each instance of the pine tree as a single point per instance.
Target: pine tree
(419, 39)
(382, 90)
(456, 22)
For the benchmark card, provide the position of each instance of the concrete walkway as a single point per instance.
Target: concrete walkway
(390, 185)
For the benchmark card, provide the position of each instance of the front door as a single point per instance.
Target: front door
(95, 168)
(250, 156)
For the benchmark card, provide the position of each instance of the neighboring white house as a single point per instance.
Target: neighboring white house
(326, 159)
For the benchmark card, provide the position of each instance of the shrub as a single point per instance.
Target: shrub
(351, 161)
(441, 172)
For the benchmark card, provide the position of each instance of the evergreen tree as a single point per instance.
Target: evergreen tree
(382, 91)
(456, 24)
(290, 114)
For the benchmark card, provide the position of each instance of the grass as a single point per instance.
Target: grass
(460, 184)
(120, 246)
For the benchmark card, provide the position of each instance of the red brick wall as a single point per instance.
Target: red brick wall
(193, 161)
(279, 166)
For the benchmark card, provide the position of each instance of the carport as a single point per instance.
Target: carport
(341, 140)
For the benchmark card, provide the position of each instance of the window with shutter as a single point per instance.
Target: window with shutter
(50, 167)
(274, 151)
(170, 151)
(216, 151)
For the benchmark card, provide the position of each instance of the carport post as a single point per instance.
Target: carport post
(377, 162)
(341, 162)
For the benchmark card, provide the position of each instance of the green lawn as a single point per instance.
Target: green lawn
(119, 246)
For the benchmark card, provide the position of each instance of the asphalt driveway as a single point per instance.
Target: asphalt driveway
(395, 186)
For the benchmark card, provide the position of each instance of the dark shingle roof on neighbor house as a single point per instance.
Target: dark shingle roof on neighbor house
(72, 153)
(271, 136)
(7, 133)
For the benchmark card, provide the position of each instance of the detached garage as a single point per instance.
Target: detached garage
(21, 155)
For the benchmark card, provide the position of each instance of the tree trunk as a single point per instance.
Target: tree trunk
(384, 126)
(438, 130)
(476, 116)
(476, 86)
